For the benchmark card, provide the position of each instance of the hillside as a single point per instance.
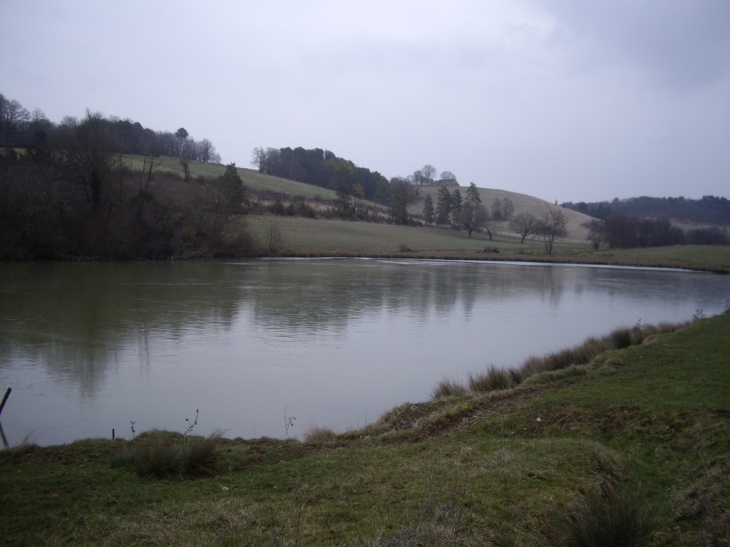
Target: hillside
(251, 178)
(684, 212)
(522, 202)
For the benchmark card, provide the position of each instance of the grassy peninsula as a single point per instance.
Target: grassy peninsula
(649, 423)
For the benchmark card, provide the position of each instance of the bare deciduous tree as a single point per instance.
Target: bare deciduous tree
(553, 224)
(524, 224)
(502, 209)
(86, 149)
(595, 232)
(428, 173)
(12, 119)
(275, 237)
(473, 216)
(448, 175)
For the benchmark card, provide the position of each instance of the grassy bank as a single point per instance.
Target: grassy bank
(309, 237)
(649, 424)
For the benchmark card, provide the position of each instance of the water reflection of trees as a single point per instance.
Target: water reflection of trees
(321, 295)
(75, 318)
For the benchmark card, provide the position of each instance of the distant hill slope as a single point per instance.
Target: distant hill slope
(260, 182)
(251, 178)
(522, 202)
(708, 211)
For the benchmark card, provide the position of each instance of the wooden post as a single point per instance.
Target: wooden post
(7, 394)
(2, 434)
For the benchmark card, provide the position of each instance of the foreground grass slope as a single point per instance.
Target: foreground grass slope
(503, 468)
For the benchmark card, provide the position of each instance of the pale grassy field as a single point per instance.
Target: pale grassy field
(522, 202)
(301, 235)
(705, 257)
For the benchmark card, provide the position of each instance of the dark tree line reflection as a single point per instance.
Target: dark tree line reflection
(74, 318)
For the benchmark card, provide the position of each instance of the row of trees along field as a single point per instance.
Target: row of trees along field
(20, 128)
(708, 210)
(68, 195)
(623, 232)
(320, 168)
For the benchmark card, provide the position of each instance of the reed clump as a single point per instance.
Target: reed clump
(616, 520)
(161, 454)
(448, 388)
(497, 379)
(318, 434)
(493, 379)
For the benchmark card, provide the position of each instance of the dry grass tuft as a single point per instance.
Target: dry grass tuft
(316, 434)
(448, 388)
(160, 454)
(494, 379)
(617, 520)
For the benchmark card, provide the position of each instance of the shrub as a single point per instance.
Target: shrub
(199, 455)
(493, 379)
(448, 388)
(319, 434)
(620, 338)
(616, 521)
(160, 454)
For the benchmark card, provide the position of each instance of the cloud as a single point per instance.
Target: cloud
(575, 100)
(679, 44)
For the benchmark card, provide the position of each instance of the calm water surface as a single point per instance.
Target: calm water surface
(88, 347)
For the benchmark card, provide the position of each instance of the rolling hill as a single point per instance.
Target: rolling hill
(261, 183)
(522, 202)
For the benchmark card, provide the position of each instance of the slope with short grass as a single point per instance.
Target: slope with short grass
(250, 177)
(636, 440)
(522, 202)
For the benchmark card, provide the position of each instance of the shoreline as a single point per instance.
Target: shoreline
(500, 468)
(520, 257)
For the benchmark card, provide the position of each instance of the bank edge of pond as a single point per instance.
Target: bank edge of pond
(577, 258)
(501, 468)
(711, 260)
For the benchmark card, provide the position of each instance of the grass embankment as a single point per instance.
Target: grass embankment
(502, 468)
(310, 237)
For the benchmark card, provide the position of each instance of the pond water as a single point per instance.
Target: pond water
(87, 347)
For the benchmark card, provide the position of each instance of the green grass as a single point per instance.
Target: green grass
(504, 468)
(303, 235)
(251, 178)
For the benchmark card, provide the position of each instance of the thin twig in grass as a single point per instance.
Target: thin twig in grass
(288, 422)
(192, 425)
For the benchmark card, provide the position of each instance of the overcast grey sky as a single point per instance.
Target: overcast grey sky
(567, 100)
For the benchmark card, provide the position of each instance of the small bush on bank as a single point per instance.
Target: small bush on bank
(615, 521)
(317, 434)
(160, 454)
(448, 388)
(494, 379)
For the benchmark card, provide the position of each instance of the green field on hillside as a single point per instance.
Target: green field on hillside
(251, 178)
(300, 235)
(641, 432)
